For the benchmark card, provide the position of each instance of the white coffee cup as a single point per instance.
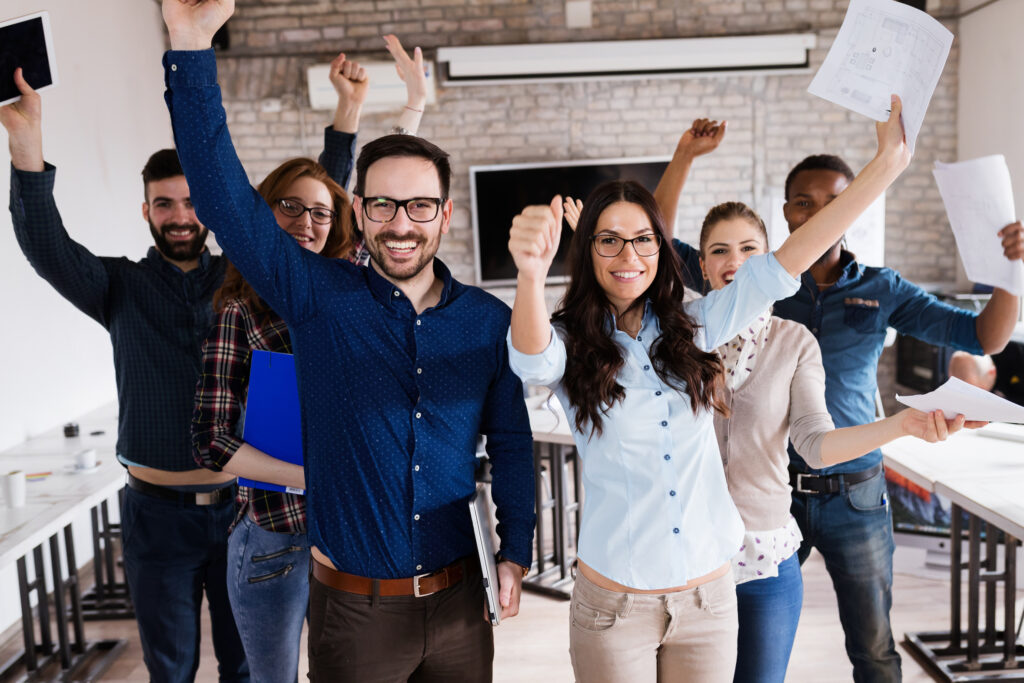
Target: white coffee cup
(14, 488)
(85, 459)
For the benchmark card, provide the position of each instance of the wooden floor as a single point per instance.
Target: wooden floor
(534, 646)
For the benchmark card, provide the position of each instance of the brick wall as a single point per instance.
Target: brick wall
(773, 122)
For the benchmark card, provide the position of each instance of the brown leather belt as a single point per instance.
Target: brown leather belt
(419, 586)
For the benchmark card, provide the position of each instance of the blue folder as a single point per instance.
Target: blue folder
(272, 419)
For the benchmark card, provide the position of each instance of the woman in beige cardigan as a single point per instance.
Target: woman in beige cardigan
(775, 391)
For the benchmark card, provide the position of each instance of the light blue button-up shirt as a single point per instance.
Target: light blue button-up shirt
(658, 512)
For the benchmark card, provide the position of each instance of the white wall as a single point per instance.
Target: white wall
(100, 124)
(991, 97)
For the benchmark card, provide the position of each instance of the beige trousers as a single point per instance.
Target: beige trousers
(638, 638)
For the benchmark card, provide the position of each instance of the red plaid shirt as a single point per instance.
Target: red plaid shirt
(220, 395)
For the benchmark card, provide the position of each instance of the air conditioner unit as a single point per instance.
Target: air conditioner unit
(623, 59)
(387, 90)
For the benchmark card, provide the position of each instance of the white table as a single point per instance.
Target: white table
(984, 478)
(52, 503)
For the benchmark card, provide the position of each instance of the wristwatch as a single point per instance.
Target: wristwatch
(398, 130)
(499, 558)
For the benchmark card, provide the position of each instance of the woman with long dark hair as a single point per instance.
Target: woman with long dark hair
(636, 371)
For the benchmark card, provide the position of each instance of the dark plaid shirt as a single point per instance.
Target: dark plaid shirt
(156, 314)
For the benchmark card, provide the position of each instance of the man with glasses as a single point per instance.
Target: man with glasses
(399, 368)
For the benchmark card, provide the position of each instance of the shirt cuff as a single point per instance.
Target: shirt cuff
(537, 368)
(25, 182)
(190, 68)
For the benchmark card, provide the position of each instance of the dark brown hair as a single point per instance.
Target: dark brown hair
(161, 165)
(594, 359)
(727, 211)
(402, 146)
(340, 240)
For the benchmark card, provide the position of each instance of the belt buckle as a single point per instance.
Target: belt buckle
(800, 476)
(205, 498)
(416, 585)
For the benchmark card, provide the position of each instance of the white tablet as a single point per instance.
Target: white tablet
(480, 512)
(26, 42)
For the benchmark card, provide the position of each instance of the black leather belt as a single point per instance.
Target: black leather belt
(806, 482)
(188, 497)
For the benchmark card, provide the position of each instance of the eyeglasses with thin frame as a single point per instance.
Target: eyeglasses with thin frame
(293, 209)
(418, 209)
(611, 246)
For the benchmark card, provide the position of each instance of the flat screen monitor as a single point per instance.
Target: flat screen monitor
(500, 192)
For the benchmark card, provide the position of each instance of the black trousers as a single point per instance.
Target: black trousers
(440, 637)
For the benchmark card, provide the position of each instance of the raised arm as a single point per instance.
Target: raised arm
(701, 138)
(533, 242)
(220, 393)
(351, 83)
(273, 263)
(996, 321)
(410, 70)
(811, 240)
(75, 272)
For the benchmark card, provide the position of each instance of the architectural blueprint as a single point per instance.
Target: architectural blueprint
(884, 47)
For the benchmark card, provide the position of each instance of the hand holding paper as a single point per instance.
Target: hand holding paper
(957, 397)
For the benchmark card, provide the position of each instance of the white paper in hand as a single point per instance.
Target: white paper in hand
(884, 47)
(979, 202)
(957, 397)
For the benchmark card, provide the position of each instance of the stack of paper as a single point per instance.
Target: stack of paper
(979, 202)
(884, 47)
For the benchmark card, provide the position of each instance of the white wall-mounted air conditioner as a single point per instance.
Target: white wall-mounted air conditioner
(387, 90)
(486, 64)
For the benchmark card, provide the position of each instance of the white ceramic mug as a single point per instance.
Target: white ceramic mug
(85, 459)
(14, 488)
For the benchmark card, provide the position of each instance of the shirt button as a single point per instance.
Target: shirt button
(416, 468)
(396, 292)
(419, 371)
(419, 322)
(647, 367)
(676, 530)
(639, 338)
(668, 457)
(664, 423)
(419, 567)
(174, 67)
(671, 493)
(657, 393)
(416, 517)
(419, 415)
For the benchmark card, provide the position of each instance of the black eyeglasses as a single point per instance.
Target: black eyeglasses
(418, 209)
(317, 214)
(611, 246)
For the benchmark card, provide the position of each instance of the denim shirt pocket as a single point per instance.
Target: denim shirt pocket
(861, 314)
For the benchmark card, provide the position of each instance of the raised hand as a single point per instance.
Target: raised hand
(349, 80)
(892, 139)
(23, 122)
(191, 24)
(1013, 241)
(573, 209)
(533, 239)
(410, 70)
(702, 137)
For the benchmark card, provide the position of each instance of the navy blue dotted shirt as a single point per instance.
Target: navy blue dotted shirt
(392, 401)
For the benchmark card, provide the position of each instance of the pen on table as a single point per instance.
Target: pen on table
(37, 475)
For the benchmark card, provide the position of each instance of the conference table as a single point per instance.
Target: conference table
(57, 493)
(981, 473)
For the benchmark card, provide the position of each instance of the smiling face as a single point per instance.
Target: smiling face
(624, 277)
(400, 248)
(310, 193)
(729, 243)
(178, 234)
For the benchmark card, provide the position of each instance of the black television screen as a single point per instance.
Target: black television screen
(500, 192)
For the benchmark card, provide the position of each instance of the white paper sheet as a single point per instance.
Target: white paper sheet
(884, 47)
(957, 397)
(979, 202)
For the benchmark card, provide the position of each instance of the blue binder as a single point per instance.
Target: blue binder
(272, 418)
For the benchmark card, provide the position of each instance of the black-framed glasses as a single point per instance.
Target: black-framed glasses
(293, 209)
(611, 246)
(418, 209)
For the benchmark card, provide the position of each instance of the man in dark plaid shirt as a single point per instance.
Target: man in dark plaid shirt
(158, 312)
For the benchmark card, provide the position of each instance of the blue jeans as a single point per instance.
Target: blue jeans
(769, 610)
(268, 583)
(172, 553)
(852, 530)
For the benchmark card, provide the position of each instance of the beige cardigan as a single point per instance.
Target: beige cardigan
(783, 399)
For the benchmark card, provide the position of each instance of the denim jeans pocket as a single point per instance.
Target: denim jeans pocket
(276, 574)
(869, 495)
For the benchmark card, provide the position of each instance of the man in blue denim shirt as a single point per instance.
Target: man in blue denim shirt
(842, 510)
